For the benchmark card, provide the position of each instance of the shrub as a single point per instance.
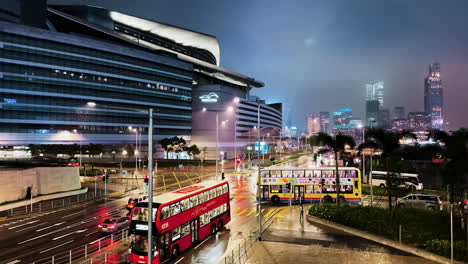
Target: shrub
(442, 247)
(418, 226)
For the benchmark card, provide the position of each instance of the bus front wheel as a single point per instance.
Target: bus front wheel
(213, 229)
(275, 199)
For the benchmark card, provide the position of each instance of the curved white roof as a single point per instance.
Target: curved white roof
(179, 35)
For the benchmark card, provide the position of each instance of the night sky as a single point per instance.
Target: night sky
(318, 55)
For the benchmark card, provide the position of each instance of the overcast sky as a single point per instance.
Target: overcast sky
(318, 55)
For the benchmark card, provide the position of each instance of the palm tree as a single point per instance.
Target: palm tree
(455, 157)
(336, 145)
(389, 143)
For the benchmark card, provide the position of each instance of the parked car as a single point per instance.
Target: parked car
(420, 201)
(114, 224)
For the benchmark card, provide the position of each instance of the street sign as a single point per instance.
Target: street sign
(95, 178)
(124, 172)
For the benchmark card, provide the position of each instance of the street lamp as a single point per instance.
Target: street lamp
(150, 170)
(229, 109)
(76, 132)
(363, 155)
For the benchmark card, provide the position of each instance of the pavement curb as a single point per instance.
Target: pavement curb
(381, 240)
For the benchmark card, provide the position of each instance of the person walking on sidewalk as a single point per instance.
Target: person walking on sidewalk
(301, 217)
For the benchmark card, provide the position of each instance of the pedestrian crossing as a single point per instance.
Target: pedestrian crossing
(249, 211)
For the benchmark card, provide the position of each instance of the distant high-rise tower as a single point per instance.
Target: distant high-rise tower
(399, 112)
(375, 92)
(325, 122)
(372, 113)
(433, 97)
(313, 124)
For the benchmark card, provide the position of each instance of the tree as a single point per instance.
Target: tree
(336, 145)
(455, 157)
(174, 144)
(389, 143)
(192, 150)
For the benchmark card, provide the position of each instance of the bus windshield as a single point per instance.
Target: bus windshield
(141, 214)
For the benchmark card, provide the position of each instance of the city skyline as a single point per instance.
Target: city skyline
(330, 48)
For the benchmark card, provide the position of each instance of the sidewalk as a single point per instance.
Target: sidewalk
(288, 240)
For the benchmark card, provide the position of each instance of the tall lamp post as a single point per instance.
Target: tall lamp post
(236, 101)
(149, 112)
(76, 132)
(229, 109)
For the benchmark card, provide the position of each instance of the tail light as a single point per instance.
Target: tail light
(112, 226)
(99, 226)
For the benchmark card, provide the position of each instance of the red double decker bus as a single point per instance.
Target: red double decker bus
(181, 219)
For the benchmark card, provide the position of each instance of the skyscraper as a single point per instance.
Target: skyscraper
(372, 113)
(313, 124)
(433, 97)
(325, 122)
(384, 118)
(375, 92)
(399, 112)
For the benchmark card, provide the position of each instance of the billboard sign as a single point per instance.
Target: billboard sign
(263, 147)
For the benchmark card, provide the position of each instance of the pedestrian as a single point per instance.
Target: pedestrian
(302, 212)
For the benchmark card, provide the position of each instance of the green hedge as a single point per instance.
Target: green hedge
(442, 247)
(419, 227)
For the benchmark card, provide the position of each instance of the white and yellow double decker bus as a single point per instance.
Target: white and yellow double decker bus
(309, 185)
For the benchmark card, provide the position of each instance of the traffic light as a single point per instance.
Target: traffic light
(238, 159)
(222, 175)
(105, 177)
(146, 180)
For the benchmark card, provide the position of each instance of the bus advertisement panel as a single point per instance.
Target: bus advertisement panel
(181, 219)
(309, 185)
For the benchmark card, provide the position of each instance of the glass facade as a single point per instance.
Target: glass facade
(45, 86)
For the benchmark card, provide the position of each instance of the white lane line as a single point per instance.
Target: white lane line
(28, 223)
(14, 262)
(73, 214)
(39, 230)
(55, 247)
(179, 260)
(79, 231)
(20, 230)
(203, 242)
(92, 233)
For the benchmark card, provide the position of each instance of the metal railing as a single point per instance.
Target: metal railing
(48, 205)
(238, 255)
(86, 250)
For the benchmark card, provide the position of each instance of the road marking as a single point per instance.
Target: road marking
(180, 187)
(14, 262)
(55, 247)
(179, 260)
(39, 230)
(260, 212)
(235, 210)
(243, 211)
(91, 233)
(202, 242)
(76, 232)
(164, 181)
(28, 223)
(20, 230)
(73, 214)
(188, 177)
(269, 212)
(253, 210)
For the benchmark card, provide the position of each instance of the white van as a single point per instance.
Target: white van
(409, 179)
